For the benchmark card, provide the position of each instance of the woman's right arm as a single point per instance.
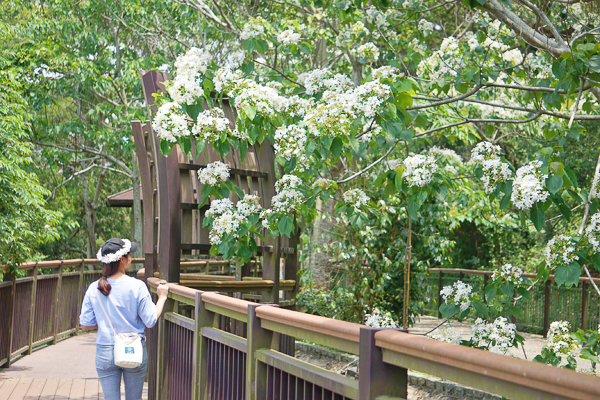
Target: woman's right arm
(163, 293)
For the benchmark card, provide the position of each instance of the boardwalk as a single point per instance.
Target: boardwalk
(60, 372)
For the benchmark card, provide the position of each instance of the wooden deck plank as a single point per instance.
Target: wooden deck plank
(63, 390)
(77, 389)
(35, 390)
(100, 394)
(49, 389)
(7, 388)
(91, 389)
(2, 382)
(21, 389)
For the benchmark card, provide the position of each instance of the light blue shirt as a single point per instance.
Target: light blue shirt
(129, 307)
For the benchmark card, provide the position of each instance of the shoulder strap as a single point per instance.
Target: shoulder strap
(105, 314)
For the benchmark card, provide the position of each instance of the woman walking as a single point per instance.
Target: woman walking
(118, 304)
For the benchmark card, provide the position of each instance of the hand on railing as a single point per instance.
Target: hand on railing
(163, 293)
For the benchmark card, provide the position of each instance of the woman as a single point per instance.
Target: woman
(129, 307)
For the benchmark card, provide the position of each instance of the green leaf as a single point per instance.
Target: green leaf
(245, 252)
(507, 288)
(521, 291)
(185, 143)
(250, 112)
(336, 147)
(481, 308)
(354, 143)
(412, 209)
(554, 183)
(286, 225)
(449, 310)
(536, 214)
(568, 275)
(165, 148)
(490, 293)
(589, 355)
(407, 135)
(243, 150)
(594, 62)
(200, 145)
(195, 109)
(515, 312)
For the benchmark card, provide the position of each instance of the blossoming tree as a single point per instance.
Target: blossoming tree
(355, 90)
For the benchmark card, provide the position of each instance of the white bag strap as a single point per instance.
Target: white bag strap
(105, 314)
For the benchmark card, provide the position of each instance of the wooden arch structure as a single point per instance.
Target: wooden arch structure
(171, 193)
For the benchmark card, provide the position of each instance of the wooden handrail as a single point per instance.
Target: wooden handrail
(490, 273)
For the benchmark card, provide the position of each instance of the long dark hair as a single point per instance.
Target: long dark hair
(108, 270)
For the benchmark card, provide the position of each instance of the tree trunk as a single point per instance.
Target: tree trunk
(138, 224)
(90, 219)
(319, 262)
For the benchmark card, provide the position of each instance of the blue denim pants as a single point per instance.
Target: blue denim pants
(110, 375)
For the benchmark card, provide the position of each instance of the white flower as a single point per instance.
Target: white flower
(214, 173)
(459, 294)
(509, 273)
(484, 151)
(250, 204)
(559, 251)
(235, 60)
(350, 34)
(494, 172)
(313, 80)
(191, 63)
(255, 27)
(559, 340)
(186, 90)
(290, 141)
(288, 37)
(387, 73)
(265, 100)
(425, 27)
(497, 336)
(218, 207)
(226, 79)
(447, 154)
(378, 319)
(210, 125)
(595, 189)
(592, 230)
(419, 170)
(368, 51)
(170, 123)
(528, 187)
(447, 335)
(513, 56)
(355, 198)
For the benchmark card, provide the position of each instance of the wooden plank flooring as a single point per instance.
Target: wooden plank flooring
(55, 389)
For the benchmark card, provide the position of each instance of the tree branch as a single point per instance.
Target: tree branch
(370, 166)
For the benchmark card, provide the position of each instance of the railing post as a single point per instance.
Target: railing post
(378, 379)
(203, 318)
(8, 329)
(79, 294)
(485, 282)
(584, 302)
(440, 294)
(162, 353)
(32, 311)
(57, 302)
(546, 309)
(256, 373)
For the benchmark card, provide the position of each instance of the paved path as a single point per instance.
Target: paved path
(60, 372)
(533, 343)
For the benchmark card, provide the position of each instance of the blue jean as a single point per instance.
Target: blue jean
(110, 375)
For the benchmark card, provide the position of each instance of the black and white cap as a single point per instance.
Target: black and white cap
(114, 249)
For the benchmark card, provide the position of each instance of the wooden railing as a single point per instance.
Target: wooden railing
(580, 305)
(194, 356)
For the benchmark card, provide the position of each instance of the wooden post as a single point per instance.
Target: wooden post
(203, 318)
(256, 372)
(32, 312)
(461, 276)
(485, 282)
(57, 302)
(79, 294)
(546, 309)
(584, 303)
(162, 353)
(378, 379)
(8, 328)
(440, 294)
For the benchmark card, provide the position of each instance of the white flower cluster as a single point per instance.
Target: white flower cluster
(386, 74)
(497, 336)
(235, 59)
(214, 173)
(290, 141)
(494, 170)
(325, 184)
(226, 79)
(185, 90)
(509, 274)
(595, 189)
(559, 251)
(528, 187)
(513, 56)
(368, 51)
(378, 319)
(254, 28)
(351, 34)
(170, 123)
(447, 335)
(265, 100)
(288, 37)
(459, 293)
(191, 63)
(229, 218)
(319, 79)
(425, 27)
(592, 231)
(355, 198)
(448, 154)
(419, 169)
(287, 199)
(446, 61)
(187, 86)
(211, 123)
(559, 339)
(394, 164)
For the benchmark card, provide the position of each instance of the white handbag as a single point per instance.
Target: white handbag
(129, 352)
